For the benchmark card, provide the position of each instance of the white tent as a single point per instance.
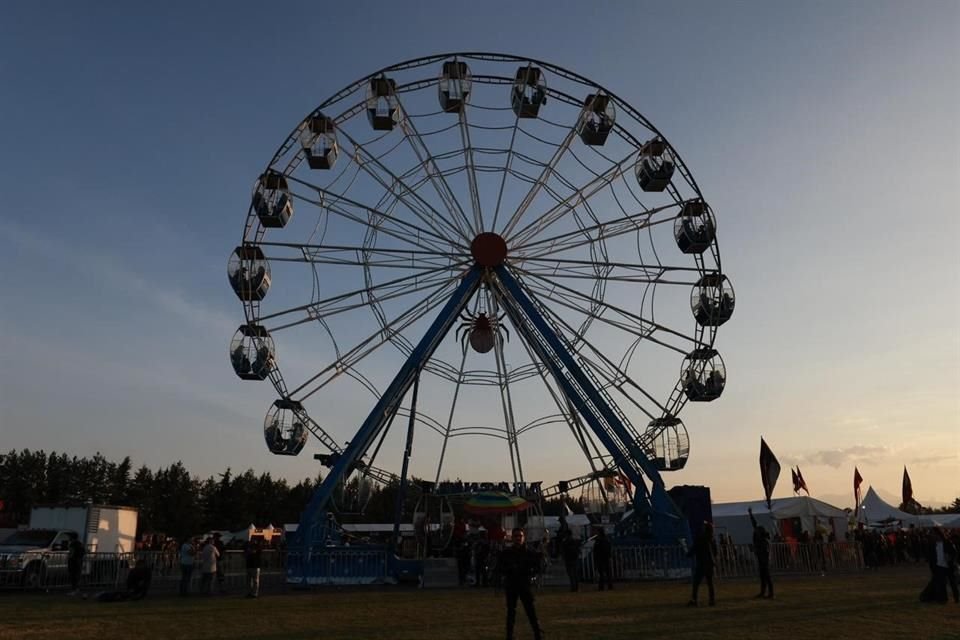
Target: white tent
(874, 510)
(947, 520)
(732, 517)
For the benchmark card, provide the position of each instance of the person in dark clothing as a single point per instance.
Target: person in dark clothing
(461, 550)
(761, 548)
(951, 551)
(602, 550)
(517, 566)
(75, 553)
(138, 581)
(941, 555)
(138, 584)
(253, 556)
(704, 552)
(481, 556)
(570, 551)
(221, 561)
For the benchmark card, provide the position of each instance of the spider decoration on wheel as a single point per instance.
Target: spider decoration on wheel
(480, 330)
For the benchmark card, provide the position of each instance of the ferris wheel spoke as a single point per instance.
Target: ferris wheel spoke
(506, 171)
(646, 327)
(605, 268)
(471, 170)
(605, 230)
(611, 275)
(313, 315)
(403, 192)
(564, 404)
(506, 402)
(389, 289)
(373, 342)
(453, 407)
(346, 255)
(340, 205)
(437, 179)
(583, 194)
(612, 375)
(544, 177)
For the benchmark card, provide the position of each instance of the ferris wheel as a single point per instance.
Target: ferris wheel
(491, 247)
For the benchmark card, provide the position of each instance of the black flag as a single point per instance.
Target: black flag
(769, 470)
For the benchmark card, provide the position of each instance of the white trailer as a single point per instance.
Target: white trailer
(101, 528)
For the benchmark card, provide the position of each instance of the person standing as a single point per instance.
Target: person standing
(570, 551)
(221, 562)
(253, 557)
(75, 553)
(187, 556)
(761, 548)
(704, 553)
(951, 551)
(208, 566)
(481, 556)
(602, 550)
(518, 566)
(462, 550)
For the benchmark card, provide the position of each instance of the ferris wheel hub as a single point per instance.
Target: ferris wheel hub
(489, 249)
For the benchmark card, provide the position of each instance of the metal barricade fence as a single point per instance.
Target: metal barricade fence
(338, 566)
(369, 565)
(109, 571)
(641, 563)
(733, 561)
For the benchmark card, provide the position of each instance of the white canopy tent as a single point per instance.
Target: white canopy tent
(947, 520)
(875, 510)
(732, 517)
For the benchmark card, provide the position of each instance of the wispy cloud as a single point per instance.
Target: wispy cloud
(935, 459)
(838, 457)
(120, 276)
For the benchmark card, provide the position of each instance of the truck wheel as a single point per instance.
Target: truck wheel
(33, 576)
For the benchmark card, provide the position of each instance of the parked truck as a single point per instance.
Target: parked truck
(37, 556)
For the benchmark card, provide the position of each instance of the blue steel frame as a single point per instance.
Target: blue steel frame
(666, 525)
(313, 522)
(658, 517)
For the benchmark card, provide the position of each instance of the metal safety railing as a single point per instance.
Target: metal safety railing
(732, 561)
(109, 571)
(372, 565)
(338, 566)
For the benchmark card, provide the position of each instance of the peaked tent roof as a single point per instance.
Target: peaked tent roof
(793, 507)
(876, 509)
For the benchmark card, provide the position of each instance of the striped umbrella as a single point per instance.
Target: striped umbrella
(495, 502)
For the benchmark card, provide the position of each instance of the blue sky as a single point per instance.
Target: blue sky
(826, 137)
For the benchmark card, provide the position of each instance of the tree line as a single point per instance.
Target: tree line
(172, 501)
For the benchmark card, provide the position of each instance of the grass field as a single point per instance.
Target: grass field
(870, 605)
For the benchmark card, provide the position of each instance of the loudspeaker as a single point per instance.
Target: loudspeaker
(694, 504)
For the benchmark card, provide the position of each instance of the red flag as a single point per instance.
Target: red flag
(769, 470)
(907, 489)
(857, 481)
(796, 480)
(802, 483)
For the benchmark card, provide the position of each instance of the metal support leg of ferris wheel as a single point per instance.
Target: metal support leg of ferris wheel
(314, 523)
(666, 525)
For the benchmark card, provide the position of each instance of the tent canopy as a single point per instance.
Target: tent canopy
(732, 517)
(875, 510)
(796, 507)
